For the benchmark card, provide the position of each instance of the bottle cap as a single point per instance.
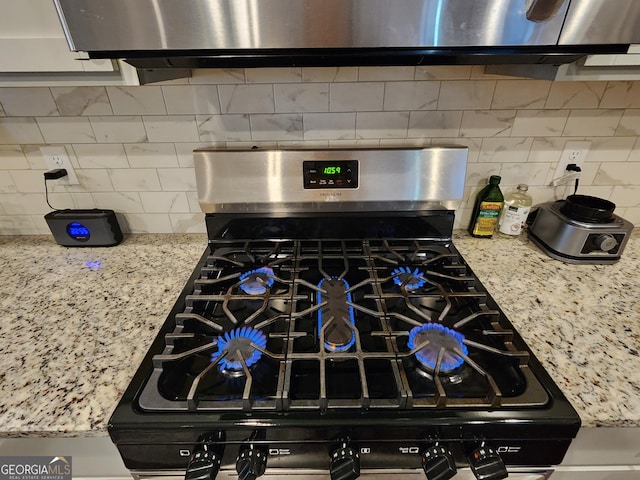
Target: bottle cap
(523, 186)
(495, 179)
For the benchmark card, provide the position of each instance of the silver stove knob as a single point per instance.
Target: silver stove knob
(606, 242)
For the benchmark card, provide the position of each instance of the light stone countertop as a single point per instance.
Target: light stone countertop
(75, 323)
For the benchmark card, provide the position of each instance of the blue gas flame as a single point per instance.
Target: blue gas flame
(410, 280)
(442, 337)
(239, 339)
(256, 282)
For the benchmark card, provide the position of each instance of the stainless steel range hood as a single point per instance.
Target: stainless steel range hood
(253, 33)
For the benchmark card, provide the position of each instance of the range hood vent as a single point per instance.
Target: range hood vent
(258, 33)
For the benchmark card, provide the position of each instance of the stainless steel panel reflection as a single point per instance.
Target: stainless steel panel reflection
(602, 22)
(272, 181)
(98, 25)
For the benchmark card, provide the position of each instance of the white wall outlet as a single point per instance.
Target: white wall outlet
(56, 157)
(574, 152)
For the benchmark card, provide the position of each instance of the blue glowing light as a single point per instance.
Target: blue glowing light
(439, 337)
(240, 340)
(93, 264)
(332, 347)
(77, 231)
(403, 276)
(256, 282)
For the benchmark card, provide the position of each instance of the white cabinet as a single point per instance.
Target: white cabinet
(32, 40)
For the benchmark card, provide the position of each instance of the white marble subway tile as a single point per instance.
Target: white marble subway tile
(356, 97)
(478, 175)
(177, 179)
(118, 129)
(194, 204)
(151, 155)
(329, 74)
(6, 184)
(596, 123)
(473, 145)
(383, 74)
(184, 151)
(301, 97)
(548, 149)
(382, 125)
(134, 179)
(593, 190)
(19, 130)
(539, 123)
(191, 99)
(621, 95)
(24, 203)
(224, 128)
(277, 126)
(631, 214)
(171, 128)
(618, 173)
(127, 202)
(188, 222)
(505, 149)
(27, 102)
(629, 123)
(575, 95)
(147, 100)
(520, 94)
(362, 143)
(246, 98)
(66, 129)
(487, 123)
(77, 101)
(427, 124)
(12, 158)
(217, 76)
(411, 96)
(92, 180)
(273, 75)
(610, 149)
(467, 95)
(148, 223)
(626, 196)
(164, 202)
(17, 225)
(529, 173)
(101, 155)
(83, 200)
(2, 113)
(545, 193)
(329, 126)
(634, 156)
(404, 142)
(443, 72)
(29, 181)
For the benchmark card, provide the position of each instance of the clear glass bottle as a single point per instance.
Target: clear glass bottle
(517, 205)
(486, 210)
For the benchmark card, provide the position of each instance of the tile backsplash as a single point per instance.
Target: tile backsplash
(131, 146)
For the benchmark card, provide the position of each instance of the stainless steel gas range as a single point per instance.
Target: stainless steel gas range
(331, 328)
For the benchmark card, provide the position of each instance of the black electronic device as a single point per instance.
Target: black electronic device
(84, 228)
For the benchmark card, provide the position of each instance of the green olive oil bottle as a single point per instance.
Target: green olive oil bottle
(486, 210)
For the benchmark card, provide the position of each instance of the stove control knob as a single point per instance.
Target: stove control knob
(345, 463)
(438, 463)
(606, 242)
(203, 465)
(251, 463)
(486, 464)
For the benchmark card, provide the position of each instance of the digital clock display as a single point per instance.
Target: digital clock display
(330, 174)
(77, 231)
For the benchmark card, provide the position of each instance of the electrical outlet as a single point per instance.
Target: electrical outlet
(56, 157)
(574, 152)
